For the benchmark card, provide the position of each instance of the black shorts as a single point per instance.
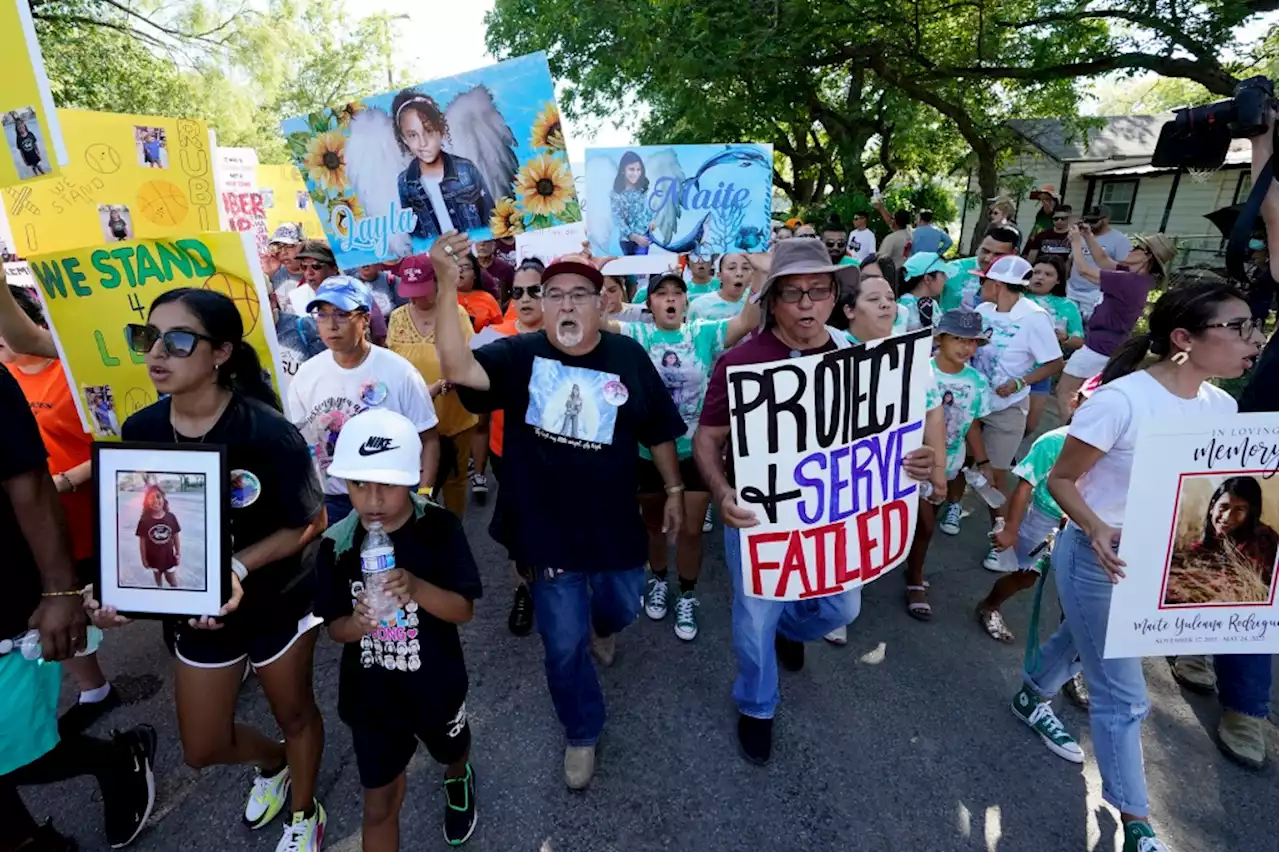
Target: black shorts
(261, 632)
(649, 480)
(384, 752)
(495, 465)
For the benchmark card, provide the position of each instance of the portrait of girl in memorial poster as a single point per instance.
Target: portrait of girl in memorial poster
(1224, 541)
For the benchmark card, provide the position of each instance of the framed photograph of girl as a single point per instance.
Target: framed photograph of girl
(161, 513)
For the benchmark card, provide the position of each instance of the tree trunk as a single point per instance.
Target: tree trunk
(989, 187)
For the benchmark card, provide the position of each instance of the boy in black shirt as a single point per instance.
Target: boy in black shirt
(402, 679)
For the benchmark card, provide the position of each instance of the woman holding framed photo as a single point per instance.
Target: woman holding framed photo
(196, 354)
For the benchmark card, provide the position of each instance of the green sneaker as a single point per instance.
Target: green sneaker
(304, 833)
(1039, 716)
(1138, 837)
(686, 616)
(267, 798)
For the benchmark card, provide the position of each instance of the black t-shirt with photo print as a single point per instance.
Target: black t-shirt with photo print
(273, 485)
(418, 660)
(571, 436)
(21, 451)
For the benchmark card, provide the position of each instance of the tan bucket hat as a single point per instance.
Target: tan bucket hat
(803, 257)
(1161, 247)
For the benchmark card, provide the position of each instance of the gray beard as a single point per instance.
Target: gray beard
(569, 339)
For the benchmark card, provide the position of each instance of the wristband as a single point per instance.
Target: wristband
(66, 594)
(237, 568)
(1020, 383)
(980, 463)
(673, 490)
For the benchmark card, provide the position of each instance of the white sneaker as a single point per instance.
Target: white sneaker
(304, 834)
(267, 798)
(708, 522)
(655, 599)
(949, 523)
(839, 636)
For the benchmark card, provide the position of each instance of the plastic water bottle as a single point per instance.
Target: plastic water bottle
(29, 643)
(377, 559)
(989, 494)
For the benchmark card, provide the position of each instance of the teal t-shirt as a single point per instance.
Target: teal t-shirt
(711, 306)
(683, 358)
(1065, 313)
(953, 290)
(1036, 466)
(965, 396)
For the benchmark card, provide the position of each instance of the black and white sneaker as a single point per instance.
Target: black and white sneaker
(83, 714)
(460, 808)
(130, 794)
(479, 487)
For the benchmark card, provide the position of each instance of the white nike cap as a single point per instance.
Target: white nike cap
(378, 446)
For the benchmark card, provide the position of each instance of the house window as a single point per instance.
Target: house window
(1119, 196)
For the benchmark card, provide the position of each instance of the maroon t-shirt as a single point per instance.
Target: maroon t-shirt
(1124, 298)
(760, 348)
(503, 274)
(157, 536)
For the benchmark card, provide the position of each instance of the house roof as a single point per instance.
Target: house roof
(1122, 136)
(1239, 156)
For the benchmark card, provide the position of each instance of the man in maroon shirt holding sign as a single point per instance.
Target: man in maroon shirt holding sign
(797, 298)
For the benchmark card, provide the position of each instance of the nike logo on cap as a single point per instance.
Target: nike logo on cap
(375, 445)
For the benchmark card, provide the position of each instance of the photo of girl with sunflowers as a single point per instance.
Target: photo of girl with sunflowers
(482, 152)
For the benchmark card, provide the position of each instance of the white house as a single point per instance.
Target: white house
(1113, 167)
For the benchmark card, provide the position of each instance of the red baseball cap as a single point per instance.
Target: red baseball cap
(561, 266)
(417, 277)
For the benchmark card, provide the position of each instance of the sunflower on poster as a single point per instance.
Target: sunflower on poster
(481, 152)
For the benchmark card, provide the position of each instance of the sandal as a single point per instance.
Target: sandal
(993, 622)
(919, 610)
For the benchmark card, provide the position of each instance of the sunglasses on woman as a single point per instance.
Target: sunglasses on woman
(177, 342)
(534, 291)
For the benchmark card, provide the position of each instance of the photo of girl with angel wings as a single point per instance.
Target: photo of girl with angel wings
(481, 152)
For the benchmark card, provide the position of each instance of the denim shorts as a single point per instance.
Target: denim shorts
(1044, 387)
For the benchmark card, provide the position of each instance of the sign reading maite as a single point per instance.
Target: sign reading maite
(818, 444)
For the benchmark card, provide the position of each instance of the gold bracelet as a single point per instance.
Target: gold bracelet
(66, 594)
(673, 490)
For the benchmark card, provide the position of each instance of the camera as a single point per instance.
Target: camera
(1198, 137)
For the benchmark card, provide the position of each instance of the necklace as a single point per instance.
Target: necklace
(177, 439)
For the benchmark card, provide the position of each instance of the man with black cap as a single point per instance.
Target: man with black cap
(1100, 240)
(797, 298)
(576, 401)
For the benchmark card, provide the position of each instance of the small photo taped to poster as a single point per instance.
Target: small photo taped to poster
(152, 147)
(161, 512)
(26, 145)
(1224, 541)
(100, 402)
(116, 221)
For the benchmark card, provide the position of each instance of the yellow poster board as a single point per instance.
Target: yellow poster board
(90, 294)
(32, 139)
(285, 196)
(129, 177)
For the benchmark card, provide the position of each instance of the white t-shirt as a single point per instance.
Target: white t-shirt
(1085, 293)
(1112, 420)
(1020, 339)
(432, 187)
(323, 396)
(862, 244)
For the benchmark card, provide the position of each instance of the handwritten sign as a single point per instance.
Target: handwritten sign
(240, 204)
(91, 294)
(129, 177)
(818, 444)
(1199, 541)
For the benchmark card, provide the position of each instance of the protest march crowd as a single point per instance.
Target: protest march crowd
(414, 385)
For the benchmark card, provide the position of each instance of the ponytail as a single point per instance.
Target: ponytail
(242, 373)
(1127, 358)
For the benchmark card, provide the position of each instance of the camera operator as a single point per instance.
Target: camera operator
(1243, 681)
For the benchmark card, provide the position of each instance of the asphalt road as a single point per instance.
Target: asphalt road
(902, 740)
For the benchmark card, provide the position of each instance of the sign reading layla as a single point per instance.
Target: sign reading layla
(818, 444)
(481, 152)
(679, 199)
(91, 295)
(1200, 552)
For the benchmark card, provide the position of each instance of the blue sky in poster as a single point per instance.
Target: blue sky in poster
(376, 206)
(684, 198)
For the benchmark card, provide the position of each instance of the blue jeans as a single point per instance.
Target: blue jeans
(756, 620)
(1244, 682)
(566, 608)
(1117, 689)
(337, 507)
